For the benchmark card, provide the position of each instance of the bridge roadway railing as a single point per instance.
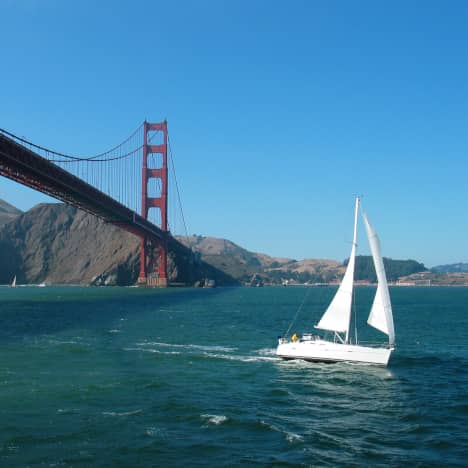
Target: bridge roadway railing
(29, 168)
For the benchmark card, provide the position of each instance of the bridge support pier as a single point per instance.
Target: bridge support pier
(148, 276)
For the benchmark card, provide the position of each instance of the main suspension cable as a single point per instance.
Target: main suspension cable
(97, 157)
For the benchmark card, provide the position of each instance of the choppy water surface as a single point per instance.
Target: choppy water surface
(130, 377)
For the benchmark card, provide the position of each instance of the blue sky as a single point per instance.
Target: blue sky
(278, 112)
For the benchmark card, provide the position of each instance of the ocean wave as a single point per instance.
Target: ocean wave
(62, 342)
(12, 448)
(214, 419)
(428, 360)
(156, 432)
(291, 437)
(150, 350)
(67, 411)
(123, 414)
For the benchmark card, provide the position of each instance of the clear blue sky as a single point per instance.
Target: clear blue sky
(278, 112)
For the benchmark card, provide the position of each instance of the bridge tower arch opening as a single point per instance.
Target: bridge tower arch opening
(153, 254)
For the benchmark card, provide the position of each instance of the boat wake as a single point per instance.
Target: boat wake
(206, 351)
(187, 346)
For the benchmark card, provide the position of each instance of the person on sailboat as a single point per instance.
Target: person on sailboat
(295, 337)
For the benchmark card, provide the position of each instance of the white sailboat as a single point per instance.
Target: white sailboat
(337, 317)
(13, 283)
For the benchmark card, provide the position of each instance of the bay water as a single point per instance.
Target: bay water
(189, 377)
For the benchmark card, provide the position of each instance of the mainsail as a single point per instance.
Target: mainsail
(380, 316)
(338, 315)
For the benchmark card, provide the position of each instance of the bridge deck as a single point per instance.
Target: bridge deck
(29, 168)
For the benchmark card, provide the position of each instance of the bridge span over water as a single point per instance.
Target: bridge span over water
(120, 186)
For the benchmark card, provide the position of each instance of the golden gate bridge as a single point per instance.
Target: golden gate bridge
(126, 186)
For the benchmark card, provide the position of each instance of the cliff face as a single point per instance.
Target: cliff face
(55, 243)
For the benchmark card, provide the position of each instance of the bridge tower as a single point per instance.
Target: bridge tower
(148, 261)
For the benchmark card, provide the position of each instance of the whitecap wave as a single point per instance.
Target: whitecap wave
(214, 419)
(125, 413)
(63, 342)
(293, 438)
(67, 411)
(289, 436)
(155, 432)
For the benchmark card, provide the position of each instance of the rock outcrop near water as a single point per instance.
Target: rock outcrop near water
(58, 244)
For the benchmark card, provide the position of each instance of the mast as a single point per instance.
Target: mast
(353, 253)
(337, 317)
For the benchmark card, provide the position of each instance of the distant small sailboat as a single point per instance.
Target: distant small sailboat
(13, 283)
(337, 317)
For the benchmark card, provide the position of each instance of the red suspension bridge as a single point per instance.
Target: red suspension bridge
(126, 186)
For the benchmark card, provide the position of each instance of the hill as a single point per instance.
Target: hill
(431, 278)
(58, 244)
(451, 268)
(7, 212)
(394, 269)
(230, 258)
(253, 267)
(249, 266)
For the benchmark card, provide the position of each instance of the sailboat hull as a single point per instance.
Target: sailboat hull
(327, 351)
